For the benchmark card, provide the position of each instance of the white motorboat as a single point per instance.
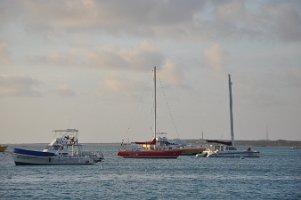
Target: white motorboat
(218, 148)
(63, 150)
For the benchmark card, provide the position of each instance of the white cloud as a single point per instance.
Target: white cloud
(140, 58)
(214, 56)
(18, 86)
(64, 91)
(134, 82)
(116, 87)
(171, 74)
(4, 56)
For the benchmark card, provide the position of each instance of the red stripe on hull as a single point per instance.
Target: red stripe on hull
(150, 154)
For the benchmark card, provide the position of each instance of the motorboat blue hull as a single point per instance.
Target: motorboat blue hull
(29, 157)
(33, 153)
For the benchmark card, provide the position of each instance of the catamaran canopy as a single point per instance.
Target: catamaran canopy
(229, 143)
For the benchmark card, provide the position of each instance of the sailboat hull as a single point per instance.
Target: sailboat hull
(2, 148)
(152, 154)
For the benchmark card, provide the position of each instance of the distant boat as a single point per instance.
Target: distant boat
(2, 148)
(187, 150)
(153, 150)
(63, 150)
(219, 148)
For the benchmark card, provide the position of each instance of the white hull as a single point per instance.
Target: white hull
(21, 159)
(231, 154)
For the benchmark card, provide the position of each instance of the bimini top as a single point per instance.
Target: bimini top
(153, 142)
(61, 139)
(66, 130)
(68, 136)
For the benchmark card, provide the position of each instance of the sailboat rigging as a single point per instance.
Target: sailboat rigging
(227, 148)
(149, 149)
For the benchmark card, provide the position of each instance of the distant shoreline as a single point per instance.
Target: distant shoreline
(258, 143)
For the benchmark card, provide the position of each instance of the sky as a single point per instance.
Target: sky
(88, 65)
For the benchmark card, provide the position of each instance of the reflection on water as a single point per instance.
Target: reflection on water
(276, 175)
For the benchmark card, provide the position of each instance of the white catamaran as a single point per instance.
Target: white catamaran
(63, 150)
(219, 148)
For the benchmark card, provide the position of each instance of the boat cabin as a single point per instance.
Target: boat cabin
(63, 142)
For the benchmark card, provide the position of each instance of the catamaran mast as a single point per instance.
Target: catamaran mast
(231, 110)
(155, 103)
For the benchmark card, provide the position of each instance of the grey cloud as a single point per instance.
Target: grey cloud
(65, 91)
(18, 86)
(266, 19)
(189, 20)
(285, 20)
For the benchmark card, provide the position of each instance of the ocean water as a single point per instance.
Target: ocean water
(275, 175)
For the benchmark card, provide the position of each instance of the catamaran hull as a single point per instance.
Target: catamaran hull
(191, 151)
(240, 154)
(150, 154)
(28, 157)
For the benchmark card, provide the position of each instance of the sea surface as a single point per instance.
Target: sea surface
(275, 175)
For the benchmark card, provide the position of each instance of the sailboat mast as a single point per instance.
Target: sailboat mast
(155, 103)
(231, 110)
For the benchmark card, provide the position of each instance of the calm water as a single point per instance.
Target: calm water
(276, 175)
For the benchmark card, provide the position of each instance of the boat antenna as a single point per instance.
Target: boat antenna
(155, 103)
(231, 110)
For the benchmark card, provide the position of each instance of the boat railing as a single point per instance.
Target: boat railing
(92, 153)
(97, 156)
(130, 147)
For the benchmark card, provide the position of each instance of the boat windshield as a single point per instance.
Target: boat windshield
(219, 147)
(53, 147)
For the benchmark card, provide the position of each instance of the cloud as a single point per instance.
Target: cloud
(284, 20)
(171, 74)
(64, 91)
(18, 86)
(168, 73)
(239, 20)
(120, 84)
(116, 87)
(140, 58)
(4, 56)
(109, 14)
(214, 56)
(189, 20)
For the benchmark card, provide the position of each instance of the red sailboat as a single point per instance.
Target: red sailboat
(148, 149)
